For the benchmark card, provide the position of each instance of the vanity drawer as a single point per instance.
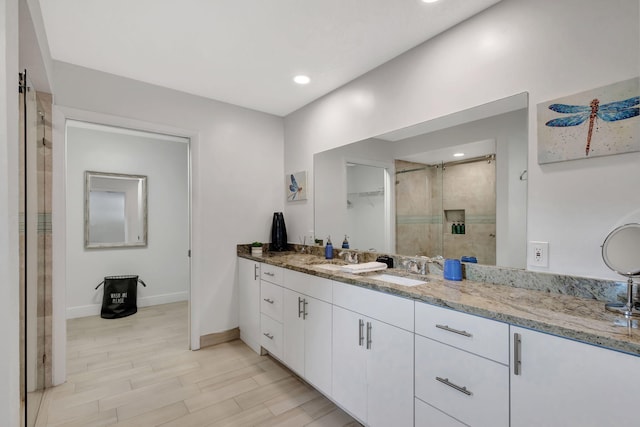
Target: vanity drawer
(272, 336)
(470, 388)
(271, 273)
(271, 300)
(387, 308)
(308, 284)
(478, 335)
(428, 416)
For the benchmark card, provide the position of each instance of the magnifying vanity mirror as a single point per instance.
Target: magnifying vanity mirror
(405, 192)
(115, 210)
(621, 253)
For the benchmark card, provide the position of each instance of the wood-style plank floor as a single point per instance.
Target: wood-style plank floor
(137, 371)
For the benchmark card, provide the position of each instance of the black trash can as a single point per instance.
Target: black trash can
(120, 296)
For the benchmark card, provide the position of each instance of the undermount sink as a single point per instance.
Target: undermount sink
(330, 267)
(398, 280)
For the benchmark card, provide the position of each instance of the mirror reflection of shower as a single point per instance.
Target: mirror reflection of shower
(447, 209)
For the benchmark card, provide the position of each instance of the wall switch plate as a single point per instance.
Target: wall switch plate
(539, 254)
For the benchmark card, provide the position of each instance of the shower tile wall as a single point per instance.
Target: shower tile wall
(418, 209)
(45, 168)
(472, 187)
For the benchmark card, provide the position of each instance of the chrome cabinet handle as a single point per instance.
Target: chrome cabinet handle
(270, 301)
(268, 273)
(300, 309)
(360, 332)
(517, 354)
(368, 335)
(268, 335)
(255, 271)
(455, 331)
(304, 308)
(454, 386)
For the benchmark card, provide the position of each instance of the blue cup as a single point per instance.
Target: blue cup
(469, 259)
(452, 269)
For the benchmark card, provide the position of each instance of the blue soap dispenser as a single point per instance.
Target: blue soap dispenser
(328, 250)
(345, 243)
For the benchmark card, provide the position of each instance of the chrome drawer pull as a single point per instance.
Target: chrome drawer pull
(268, 273)
(368, 335)
(255, 271)
(300, 309)
(304, 309)
(270, 301)
(268, 335)
(454, 386)
(360, 332)
(517, 355)
(455, 331)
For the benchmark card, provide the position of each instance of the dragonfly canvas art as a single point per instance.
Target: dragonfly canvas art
(296, 186)
(599, 122)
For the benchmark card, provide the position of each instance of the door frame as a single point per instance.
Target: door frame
(59, 224)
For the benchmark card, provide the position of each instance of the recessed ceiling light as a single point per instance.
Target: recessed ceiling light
(458, 155)
(301, 79)
(429, 1)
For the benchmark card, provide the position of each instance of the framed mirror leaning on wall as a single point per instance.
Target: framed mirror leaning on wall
(115, 210)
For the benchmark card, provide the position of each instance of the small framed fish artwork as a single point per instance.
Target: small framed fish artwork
(296, 186)
(599, 122)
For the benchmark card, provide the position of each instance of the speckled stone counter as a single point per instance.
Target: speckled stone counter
(574, 317)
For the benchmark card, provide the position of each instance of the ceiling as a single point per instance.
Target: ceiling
(245, 52)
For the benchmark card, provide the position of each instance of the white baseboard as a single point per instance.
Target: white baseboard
(94, 309)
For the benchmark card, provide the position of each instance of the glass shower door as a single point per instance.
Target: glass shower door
(34, 249)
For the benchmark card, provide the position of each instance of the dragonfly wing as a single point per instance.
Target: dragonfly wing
(619, 105)
(569, 109)
(568, 121)
(612, 116)
(294, 185)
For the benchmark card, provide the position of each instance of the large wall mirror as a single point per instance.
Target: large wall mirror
(115, 210)
(453, 186)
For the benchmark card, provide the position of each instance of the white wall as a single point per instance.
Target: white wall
(546, 47)
(237, 173)
(9, 277)
(163, 264)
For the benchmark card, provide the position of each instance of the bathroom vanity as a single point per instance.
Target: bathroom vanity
(442, 353)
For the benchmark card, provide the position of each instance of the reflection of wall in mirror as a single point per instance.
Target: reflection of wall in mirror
(107, 216)
(365, 207)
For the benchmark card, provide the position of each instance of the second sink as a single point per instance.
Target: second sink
(398, 280)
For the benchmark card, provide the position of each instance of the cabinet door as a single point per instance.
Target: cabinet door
(566, 383)
(293, 326)
(349, 369)
(389, 375)
(317, 344)
(249, 302)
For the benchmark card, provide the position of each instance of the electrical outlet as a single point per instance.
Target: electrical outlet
(539, 254)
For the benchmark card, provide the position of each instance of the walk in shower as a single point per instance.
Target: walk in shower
(34, 246)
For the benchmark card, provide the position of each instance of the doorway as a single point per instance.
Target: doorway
(163, 263)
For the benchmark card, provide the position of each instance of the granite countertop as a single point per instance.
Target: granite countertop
(572, 317)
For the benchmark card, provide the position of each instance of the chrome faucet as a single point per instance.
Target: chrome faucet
(415, 266)
(411, 265)
(349, 257)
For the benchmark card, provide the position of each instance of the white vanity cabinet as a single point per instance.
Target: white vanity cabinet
(271, 309)
(461, 369)
(307, 328)
(249, 302)
(559, 382)
(373, 355)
